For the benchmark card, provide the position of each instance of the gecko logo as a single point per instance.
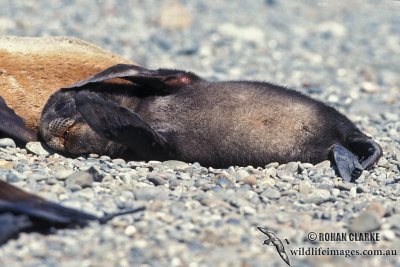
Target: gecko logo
(273, 240)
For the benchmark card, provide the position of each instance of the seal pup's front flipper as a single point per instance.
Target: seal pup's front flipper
(15, 200)
(11, 225)
(13, 126)
(161, 81)
(22, 211)
(347, 163)
(121, 125)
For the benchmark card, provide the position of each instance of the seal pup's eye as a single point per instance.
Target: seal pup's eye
(59, 106)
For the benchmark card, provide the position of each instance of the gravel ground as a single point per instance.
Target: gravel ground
(345, 53)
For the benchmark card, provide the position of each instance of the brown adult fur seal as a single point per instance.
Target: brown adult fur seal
(32, 68)
(173, 114)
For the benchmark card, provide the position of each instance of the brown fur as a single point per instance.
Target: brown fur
(32, 68)
(174, 114)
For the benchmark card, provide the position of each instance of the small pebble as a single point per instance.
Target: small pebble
(155, 179)
(37, 149)
(271, 193)
(78, 180)
(250, 180)
(175, 165)
(7, 142)
(365, 222)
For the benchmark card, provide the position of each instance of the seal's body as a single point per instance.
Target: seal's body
(167, 114)
(32, 68)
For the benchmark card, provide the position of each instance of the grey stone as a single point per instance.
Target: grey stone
(291, 167)
(271, 193)
(78, 180)
(323, 165)
(391, 116)
(381, 177)
(175, 165)
(63, 174)
(223, 181)
(37, 149)
(183, 176)
(119, 161)
(318, 196)
(95, 173)
(305, 166)
(394, 221)
(13, 177)
(383, 162)
(150, 193)
(7, 142)
(104, 158)
(240, 174)
(201, 183)
(344, 186)
(248, 210)
(335, 192)
(174, 183)
(305, 187)
(353, 192)
(285, 175)
(365, 222)
(155, 179)
(272, 165)
(361, 188)
(249, 33)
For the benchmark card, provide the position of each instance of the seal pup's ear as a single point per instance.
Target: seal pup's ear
(13, 126)
(123, 71)
(162, 81)
(121, 125)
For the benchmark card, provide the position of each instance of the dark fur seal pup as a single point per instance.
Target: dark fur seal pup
(173, 114)
(32, 68)
(21, 211)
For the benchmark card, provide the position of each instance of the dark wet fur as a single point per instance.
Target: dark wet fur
(181, 116)
(13, 126)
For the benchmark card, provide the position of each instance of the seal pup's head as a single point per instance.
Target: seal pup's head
(63, 128)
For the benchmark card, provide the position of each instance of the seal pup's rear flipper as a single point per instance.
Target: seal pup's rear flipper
(366, 148)
(13, 126)
(121, 125)
(162, 81)
(347, 163)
